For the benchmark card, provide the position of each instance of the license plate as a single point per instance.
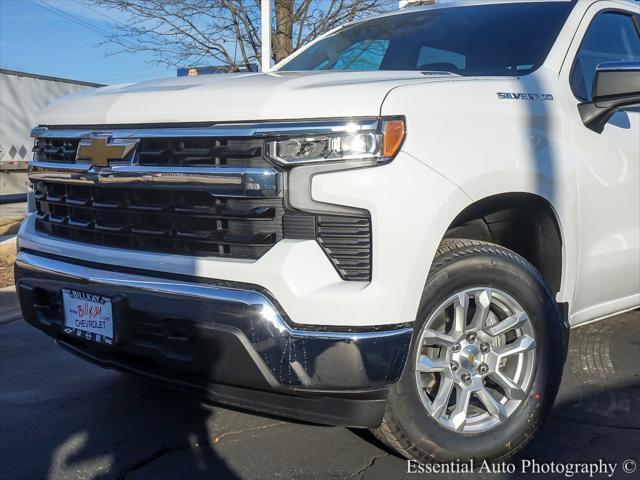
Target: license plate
(88, 316)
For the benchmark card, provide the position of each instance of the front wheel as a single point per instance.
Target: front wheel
(485, 362)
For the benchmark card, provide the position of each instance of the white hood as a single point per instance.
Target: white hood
(231, 98)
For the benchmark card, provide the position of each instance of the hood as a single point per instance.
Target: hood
(232, 98)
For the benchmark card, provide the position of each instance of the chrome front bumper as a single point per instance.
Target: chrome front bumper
(232, 329)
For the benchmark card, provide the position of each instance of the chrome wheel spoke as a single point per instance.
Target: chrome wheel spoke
(429, 365)
(441, 401)
(432, 337)
(483, 308)
(513, 321)
(461, 307)
(493, 406)
(511, 390)
(521, 345)
(458, 417)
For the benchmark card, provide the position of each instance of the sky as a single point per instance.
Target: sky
(61, 38)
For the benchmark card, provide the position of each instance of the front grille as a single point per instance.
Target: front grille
(167, 151)
(200, 152)
(190, 191)
(56, 150)
(174, 221)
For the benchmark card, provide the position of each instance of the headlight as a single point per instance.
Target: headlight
(353, 142)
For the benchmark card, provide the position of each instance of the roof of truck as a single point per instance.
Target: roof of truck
(436, 4)
(427, 3)
(454, 3)
(458, 3)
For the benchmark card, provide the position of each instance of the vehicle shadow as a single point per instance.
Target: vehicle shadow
(573, 433)
(61, 417)
(597, 412)
(165, 436)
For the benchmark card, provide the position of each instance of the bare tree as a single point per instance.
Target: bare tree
(193, 32)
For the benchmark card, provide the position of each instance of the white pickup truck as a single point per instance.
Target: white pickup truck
(394, 229)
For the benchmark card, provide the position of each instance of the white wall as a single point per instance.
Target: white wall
(21, 99)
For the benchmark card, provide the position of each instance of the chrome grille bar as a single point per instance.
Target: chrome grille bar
(237, 130)
(225, 181)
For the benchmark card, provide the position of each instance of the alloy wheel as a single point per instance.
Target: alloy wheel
(475, 360)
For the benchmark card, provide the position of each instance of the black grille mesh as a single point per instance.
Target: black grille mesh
(62, 150)
(200, 152)
(169, 151)
(183, 222)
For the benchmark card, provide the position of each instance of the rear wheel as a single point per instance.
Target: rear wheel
(486, 358)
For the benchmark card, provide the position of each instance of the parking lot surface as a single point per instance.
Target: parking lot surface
(63, 418)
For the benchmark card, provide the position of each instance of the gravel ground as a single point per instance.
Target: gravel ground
(7, 258)
(6, 275)
(10, 217)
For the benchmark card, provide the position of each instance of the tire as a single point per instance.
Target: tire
(415, 425)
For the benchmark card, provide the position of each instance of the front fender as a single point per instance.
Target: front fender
(489, 145)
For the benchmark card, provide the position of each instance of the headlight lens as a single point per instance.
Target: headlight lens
(379, 145)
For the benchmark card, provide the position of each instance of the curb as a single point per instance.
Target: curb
(9, 306)
(7, 251)
(7, 239)
(10, 226)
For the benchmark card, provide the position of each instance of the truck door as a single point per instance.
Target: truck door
(608, 169)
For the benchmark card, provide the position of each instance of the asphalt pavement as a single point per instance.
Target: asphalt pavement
(63, 418)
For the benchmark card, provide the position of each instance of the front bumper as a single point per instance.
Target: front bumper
(221, 338)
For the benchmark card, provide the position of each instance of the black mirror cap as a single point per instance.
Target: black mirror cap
(616, 79)
(616, 85)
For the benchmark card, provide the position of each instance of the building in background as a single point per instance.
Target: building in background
(22, 97)
(192, 71)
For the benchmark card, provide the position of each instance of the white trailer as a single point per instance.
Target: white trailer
(22, 97)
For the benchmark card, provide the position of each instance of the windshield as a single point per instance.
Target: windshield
(501, 39)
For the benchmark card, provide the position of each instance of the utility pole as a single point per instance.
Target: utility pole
(265, 31)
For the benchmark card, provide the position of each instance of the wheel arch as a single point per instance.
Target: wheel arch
(523, 222)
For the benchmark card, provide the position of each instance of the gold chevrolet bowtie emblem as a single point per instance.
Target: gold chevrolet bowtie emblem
(98, 150)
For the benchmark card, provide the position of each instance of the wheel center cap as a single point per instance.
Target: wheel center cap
(470, 357)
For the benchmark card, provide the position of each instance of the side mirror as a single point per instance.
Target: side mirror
(616, 85)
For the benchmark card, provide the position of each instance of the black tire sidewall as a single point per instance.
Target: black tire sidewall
(521, 281)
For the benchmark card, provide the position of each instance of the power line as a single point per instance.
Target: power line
(73, 18)
(68, 16)
(97, 12)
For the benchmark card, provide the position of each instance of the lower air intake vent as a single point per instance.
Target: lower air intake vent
(345, 240)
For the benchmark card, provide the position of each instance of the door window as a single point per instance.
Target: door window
(364, 55)
(430, 58)
(611, 37)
